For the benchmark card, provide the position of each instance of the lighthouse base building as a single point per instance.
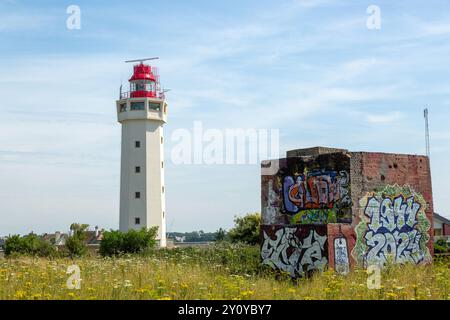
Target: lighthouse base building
(142, 111)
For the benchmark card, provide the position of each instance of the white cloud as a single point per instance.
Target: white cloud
(384, 118)
(435, 29)
(24, 21)
(313, 3)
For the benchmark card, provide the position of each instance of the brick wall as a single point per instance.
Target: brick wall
(446, 230)
(377, 170)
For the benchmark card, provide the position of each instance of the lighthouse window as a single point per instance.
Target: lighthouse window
(150, 86)
(137, 169)
(154, 106)
(137, 144)
(137, 86)
(137, 195)
(123, 107)
(137, 105)
(137, 220)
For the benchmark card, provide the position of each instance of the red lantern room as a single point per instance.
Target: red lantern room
(144, 82)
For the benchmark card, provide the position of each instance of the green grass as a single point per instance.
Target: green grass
(218, 272)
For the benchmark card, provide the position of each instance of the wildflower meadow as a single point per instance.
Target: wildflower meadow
(217, 272)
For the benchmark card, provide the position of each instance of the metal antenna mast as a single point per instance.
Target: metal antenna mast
(427, 132)
(142, 60)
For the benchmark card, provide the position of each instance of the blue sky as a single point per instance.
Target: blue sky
(310, 68)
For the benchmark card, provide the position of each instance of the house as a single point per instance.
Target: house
(441, 227)
(58, 239)
(180, 239)
(93, 238)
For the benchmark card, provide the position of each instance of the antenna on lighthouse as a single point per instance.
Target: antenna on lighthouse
(142, 60)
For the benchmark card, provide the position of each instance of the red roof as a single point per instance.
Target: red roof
(142, 72)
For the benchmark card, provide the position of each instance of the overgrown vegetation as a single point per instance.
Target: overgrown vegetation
(237, 258)
(225, 271)
(117, 243)
(75, 244)
(131, 267)
(441, 246)
(221, 235)
(30, 245)
(246, 229)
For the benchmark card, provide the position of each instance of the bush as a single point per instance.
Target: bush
(75, 244)
(28, 245)
(13, 244)
(246, 229)
(116, 242)
(112, 243)
(221, 235)
(441, 246)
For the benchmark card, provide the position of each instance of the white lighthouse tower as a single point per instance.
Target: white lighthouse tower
(142, 111)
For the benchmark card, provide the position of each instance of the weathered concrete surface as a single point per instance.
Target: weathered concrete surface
(315, 151)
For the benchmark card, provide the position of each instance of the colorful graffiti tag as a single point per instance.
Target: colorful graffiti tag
(393, 227)
(295, 250)
(317, 196)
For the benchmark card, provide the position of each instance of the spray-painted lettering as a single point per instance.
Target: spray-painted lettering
(289, 250)
(325, 193)
(394, 228)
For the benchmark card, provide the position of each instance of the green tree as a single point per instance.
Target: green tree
(76, 242)
(246, 229)
(221, 235)
(13, 244)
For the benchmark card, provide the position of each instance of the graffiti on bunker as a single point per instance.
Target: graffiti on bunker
(317, 196)
(297, 250)
(393, 228)
(341, 261)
